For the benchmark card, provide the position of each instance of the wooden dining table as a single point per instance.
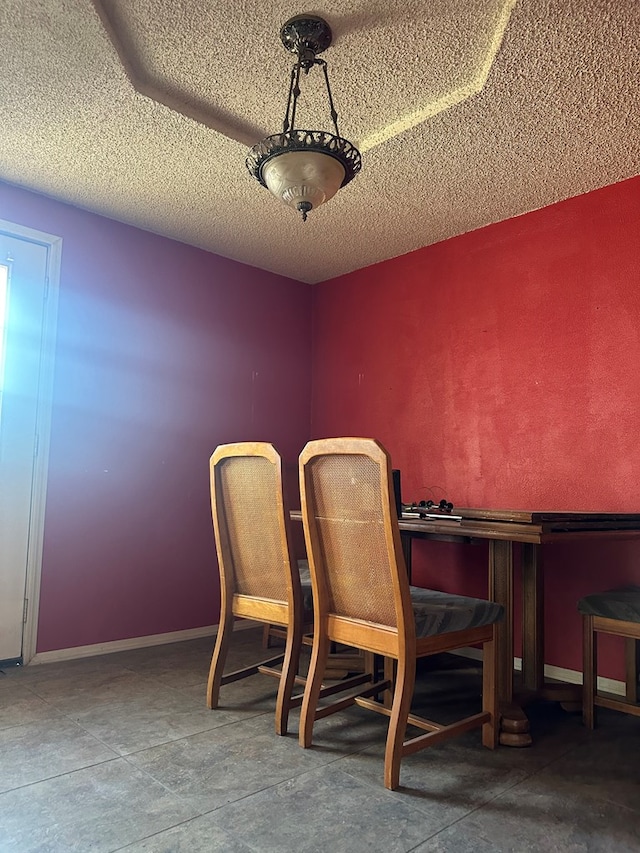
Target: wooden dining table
(532, 530)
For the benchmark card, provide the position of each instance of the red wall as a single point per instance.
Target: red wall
(500, 369)
(164, 351)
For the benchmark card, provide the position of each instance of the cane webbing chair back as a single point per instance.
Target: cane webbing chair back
(249, 515)
(259, 578)
(362, 597)
(349, 521)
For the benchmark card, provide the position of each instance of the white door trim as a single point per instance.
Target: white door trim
(43, 425)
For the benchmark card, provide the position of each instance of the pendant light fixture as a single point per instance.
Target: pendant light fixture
(304, 168)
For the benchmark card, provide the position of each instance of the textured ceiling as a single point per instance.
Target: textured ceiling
(467, 112)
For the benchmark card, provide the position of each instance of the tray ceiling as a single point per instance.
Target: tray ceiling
(466, 112)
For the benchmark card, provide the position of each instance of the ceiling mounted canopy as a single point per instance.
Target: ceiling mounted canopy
(304, 168)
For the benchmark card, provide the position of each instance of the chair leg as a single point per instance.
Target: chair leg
(590, 671)
(290, 664)
(317, 667)
(218, 660)
(402, 695)
(389, 674)
(490, 693)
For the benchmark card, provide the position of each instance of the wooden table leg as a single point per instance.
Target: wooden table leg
(514, 725)
(501, 590)
(532, 617)
(406, 541)
(533, 683)
(632, 666)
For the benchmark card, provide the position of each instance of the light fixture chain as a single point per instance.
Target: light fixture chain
(334, 114)
(285, 124)
(296, 93)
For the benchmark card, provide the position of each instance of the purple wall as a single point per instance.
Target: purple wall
(164, 351)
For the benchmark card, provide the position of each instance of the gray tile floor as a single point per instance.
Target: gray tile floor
(120, 753)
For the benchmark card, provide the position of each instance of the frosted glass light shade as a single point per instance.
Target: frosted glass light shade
(307, 177)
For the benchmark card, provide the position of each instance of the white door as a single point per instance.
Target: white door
(24, 275)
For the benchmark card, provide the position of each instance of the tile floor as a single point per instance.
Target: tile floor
(120, 753)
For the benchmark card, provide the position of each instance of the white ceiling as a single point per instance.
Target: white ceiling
(466, 112)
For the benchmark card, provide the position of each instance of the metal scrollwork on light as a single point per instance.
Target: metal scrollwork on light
(310, 140)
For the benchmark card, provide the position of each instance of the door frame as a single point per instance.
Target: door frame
(53, 244)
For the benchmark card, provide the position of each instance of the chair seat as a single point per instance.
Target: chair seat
(442, 612)
(622, 604)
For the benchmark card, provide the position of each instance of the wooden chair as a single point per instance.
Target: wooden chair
(362, 598)
(617, 612)
(259, 578)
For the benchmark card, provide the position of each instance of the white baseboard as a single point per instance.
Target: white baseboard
(76, 652)
(557, 673)
(571, 676)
